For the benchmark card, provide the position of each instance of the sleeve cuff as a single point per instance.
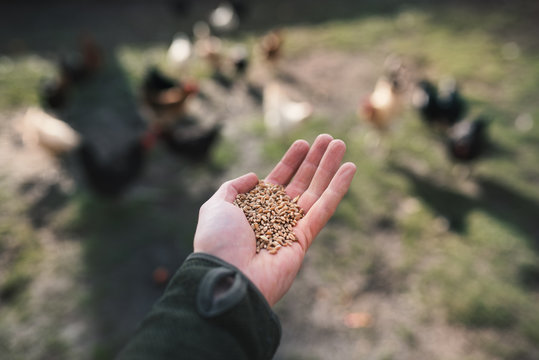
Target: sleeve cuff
(239, 305)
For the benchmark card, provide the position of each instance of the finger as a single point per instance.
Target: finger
(323, 209)
(324, 173)
(306, 171)
(230, 189)
(287, 167)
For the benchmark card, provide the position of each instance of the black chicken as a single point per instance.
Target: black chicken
(240, 65)
(111, 176)
(425, 99)
(240, 60)
(165, 98)
(73, 68)
(442, 107)
(53, 93)
(156, 81)
(453, 107)
(76, 67)
(467, 140)
(191, 142)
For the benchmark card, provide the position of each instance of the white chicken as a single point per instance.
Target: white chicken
(53, 135)
(224, 18)
(280, 113)
(180, 51)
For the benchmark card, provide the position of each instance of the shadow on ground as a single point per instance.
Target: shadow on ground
(125, 239)
(496, 199)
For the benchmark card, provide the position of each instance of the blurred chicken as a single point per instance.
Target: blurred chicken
(239, 55)
(72, 69)
(92, 55)
(224, 18)
(164, 99)
(193, 142)
(51, 134)
(440, 108)
(110, 175)
(280, 113)
(231, 66)
(180, 51)
(384, 104)
(467, 140)
(425, 100)
(76, 67)
(201, 30)
(271, 46)
(207, 46)
(452, 104)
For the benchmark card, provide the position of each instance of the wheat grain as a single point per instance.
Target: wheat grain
(271, 214)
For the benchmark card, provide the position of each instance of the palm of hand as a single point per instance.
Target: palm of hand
(228, 235)
(314, 173)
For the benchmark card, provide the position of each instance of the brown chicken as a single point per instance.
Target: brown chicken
(383, 105)
(207, 46)
(271, 46)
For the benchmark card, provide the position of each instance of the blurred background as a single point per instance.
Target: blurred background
(118, 119)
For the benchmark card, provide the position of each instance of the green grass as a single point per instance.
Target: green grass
(20, 78)
(224, 154)
(472, 278)
(20, 254)
(19, 248)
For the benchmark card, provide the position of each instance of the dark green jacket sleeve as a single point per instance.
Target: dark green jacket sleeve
(210, 310)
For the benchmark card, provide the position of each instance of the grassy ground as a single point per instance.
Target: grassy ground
(444, 267)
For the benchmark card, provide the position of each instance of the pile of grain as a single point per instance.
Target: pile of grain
(271, 214)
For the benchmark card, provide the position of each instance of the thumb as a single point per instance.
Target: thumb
(230, 189)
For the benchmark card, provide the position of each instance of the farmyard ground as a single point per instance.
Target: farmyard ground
(442, 267)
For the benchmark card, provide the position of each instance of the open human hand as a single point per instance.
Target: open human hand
(313, 172)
